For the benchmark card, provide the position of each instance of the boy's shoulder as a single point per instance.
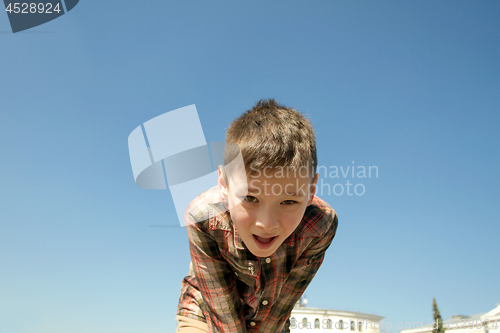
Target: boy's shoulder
(208, 208)
(319, 220)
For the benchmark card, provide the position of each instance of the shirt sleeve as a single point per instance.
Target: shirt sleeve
(303, 272)
(221, 302)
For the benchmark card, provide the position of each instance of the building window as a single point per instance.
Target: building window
(341, 324)
(293, 323)
(353, 325)
(304, 323)
(316, 323)
(329, 324)
(360, 326)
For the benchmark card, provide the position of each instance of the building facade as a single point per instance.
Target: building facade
(307, 319)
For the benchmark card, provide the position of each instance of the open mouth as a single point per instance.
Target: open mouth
(264, 242)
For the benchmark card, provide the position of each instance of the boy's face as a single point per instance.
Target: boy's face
(271, 209)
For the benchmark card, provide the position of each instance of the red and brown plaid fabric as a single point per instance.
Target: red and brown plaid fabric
(234, 291)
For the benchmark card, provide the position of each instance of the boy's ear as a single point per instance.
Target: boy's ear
(313, 189)
(222, 181)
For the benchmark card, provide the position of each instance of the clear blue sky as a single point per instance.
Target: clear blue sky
(412, 87)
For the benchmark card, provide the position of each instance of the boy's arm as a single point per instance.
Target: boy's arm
(222, 305)
(302, 274)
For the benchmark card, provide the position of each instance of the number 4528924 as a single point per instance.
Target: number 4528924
(32, 8)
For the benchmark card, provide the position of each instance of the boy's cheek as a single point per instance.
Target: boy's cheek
(241, 220)
(293, 221)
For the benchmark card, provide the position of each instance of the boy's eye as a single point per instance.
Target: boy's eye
(289, 202)
(249, 198)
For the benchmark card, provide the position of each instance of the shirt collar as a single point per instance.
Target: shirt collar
(222, 221)
(290, 240)
(238, 242)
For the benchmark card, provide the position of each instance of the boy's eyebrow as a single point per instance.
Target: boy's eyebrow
(252, 190)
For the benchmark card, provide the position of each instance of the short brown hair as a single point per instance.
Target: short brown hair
(272, 135)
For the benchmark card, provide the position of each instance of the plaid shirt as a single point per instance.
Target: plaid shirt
(234, 291)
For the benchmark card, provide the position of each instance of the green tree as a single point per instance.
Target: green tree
(437, 318)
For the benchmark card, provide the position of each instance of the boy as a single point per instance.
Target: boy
(259, 237)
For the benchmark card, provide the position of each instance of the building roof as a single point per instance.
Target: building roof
(305, 310)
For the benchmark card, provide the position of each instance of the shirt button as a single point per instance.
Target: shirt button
(268, 260)
(265, 302)
(252, 323)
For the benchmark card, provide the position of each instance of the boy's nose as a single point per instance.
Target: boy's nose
(268, 222)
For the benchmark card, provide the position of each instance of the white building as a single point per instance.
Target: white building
(306, 319)
(487, 322)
